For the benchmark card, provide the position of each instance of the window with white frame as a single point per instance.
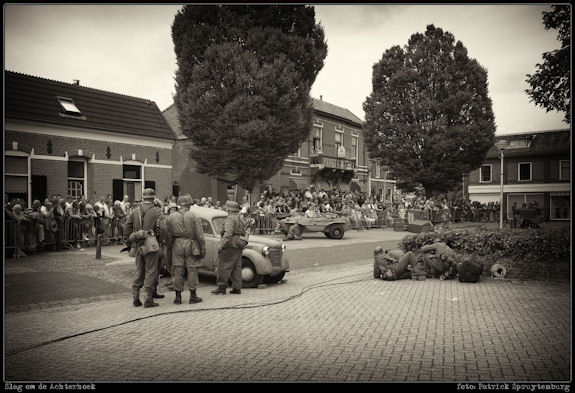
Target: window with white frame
(355, 147)
(295, 171)
(564, 170)
(338, 140)
(524, 171)
(317, 140)
(485, 173)
(76, 178)
(16, 177)
(518, 143)
(132, 177)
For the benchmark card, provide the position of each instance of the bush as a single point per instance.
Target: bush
(532, 251)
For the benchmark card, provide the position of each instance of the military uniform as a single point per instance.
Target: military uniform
(294, 232)
(183, 227)
(440, 260)
(146, 265)
(393, 264)
(230, 251)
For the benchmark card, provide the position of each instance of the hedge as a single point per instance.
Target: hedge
(526, 253)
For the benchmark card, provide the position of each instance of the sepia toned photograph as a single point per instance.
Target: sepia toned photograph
(207, 193)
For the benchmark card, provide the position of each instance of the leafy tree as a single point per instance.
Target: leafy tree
(429, 117)
(550, 86)
(242, 85)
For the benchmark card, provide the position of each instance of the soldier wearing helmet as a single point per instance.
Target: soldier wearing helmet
(144, 218)
(232, 243)
(188, 248)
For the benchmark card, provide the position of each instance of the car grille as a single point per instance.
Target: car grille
(275, 256)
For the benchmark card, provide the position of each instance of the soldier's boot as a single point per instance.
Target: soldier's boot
(137, 302)
(220, 289)
(149, 302)
(156, 295)
(193, 297)
(178, 299)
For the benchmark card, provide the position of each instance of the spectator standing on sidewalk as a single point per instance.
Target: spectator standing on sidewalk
(21, 220)
(38, 222)
(144, 218)
(118, 220)
(104, 214)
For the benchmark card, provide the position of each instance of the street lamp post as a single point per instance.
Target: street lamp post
(501, 145)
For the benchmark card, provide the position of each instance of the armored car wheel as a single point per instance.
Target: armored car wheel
(335, 231)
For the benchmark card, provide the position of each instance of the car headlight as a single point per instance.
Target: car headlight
(283, 248)
(266, 251)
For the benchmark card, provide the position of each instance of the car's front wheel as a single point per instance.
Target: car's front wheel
(269, 279)
(250, 276)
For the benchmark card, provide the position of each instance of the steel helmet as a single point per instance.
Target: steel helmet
(149, 193)
(232, 206)
(184, 200)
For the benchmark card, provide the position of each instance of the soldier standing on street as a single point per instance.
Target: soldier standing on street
(144, 218)
(230, 251)
(184, 228)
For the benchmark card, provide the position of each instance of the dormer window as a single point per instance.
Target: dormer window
(519, 143)
(69, 108)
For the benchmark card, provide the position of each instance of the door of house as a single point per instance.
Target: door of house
(117, 189)
(39, 187)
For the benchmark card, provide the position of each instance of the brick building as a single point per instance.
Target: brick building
(536, 168)
(70, 140)
(333, 157)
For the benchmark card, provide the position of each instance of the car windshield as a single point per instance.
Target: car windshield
(218, 224)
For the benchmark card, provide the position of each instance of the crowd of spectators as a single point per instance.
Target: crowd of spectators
(80, 220)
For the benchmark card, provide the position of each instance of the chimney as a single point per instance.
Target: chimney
(321, 98)
(77, 82)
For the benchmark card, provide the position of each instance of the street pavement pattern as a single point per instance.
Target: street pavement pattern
(328, 323)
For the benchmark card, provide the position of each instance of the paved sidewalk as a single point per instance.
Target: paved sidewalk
(332, 323)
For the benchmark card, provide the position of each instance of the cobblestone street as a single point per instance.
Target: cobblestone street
(326, 323)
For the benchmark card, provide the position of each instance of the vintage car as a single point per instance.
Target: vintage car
(332, 227)
(529, 218)
(263, 261)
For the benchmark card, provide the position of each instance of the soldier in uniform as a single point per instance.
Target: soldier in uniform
(230, 251)
(440, 260)
(144, 218)
(184, 228)
(169, 244)
(294, 232)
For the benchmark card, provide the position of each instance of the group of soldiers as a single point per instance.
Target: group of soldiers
(180, 238)
(434, 260)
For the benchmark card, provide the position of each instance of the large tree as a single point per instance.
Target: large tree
(429, 116)
(550, 86)
(242, 85)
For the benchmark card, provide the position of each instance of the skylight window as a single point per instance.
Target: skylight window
(69, 106)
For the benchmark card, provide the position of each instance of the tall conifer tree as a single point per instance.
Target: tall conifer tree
(242, 85)
(429, 116)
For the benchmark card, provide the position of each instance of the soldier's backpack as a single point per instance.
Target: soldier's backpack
(470, 271)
